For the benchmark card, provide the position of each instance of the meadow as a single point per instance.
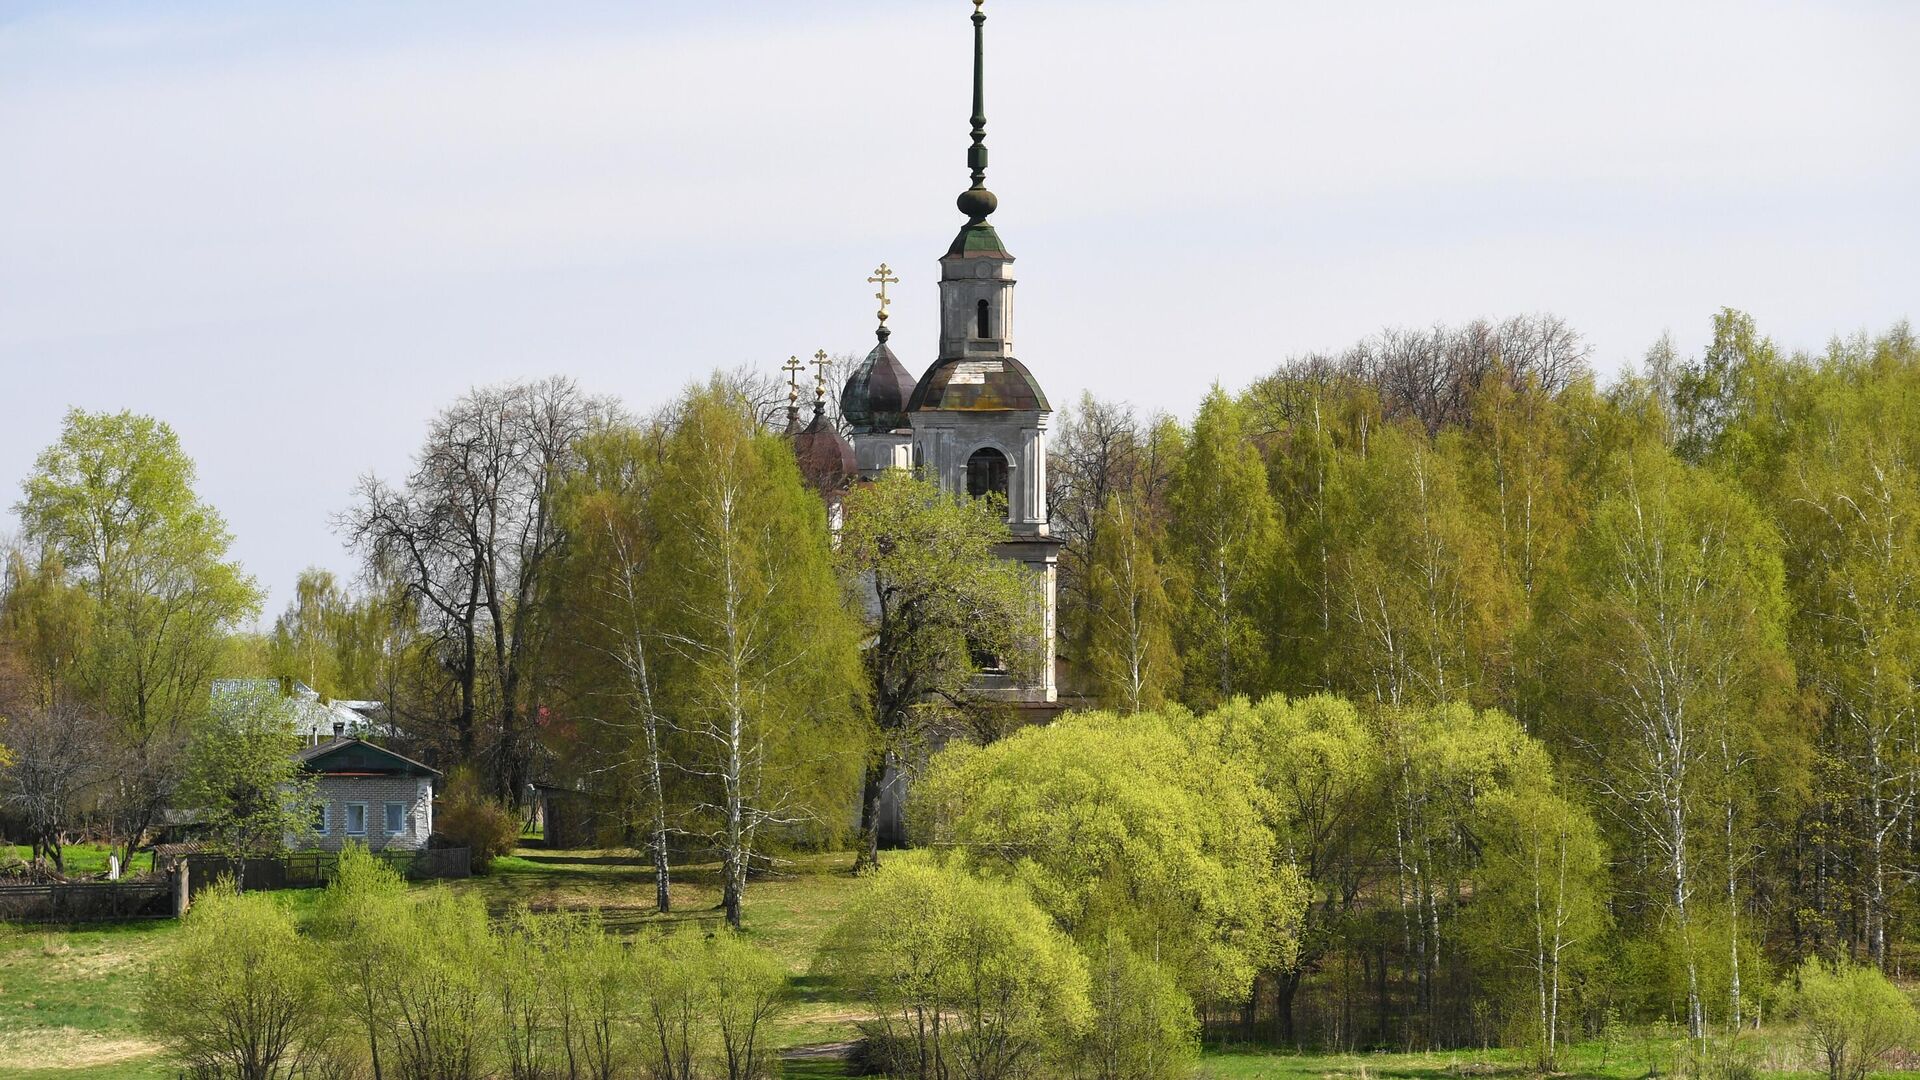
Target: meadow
(69, 996)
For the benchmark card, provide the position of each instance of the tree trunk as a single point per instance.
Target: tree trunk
(1285, 987)
(872, 795)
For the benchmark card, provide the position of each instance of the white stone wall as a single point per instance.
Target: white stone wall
(413, 793)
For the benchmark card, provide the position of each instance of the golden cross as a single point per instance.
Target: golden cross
(883, 277)
(820, 363)
(793, 367)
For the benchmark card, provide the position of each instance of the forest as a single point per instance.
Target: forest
(1437, 692)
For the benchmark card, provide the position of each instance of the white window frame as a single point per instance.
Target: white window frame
(362, 830)
(322, 824)
(394, 811)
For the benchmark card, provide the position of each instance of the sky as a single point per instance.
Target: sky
(294, 231)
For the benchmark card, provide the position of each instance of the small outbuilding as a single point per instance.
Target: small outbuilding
(367, 795)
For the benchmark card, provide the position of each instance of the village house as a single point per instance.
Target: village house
(367, 795)
(315, 719)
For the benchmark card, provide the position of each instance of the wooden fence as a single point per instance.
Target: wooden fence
(87, 901)
(152, 898)
(310, 869)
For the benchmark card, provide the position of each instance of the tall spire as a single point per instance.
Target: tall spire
(977, 202)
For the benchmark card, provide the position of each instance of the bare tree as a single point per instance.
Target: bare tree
(1433, 375)
(60, 755)
(472, 537)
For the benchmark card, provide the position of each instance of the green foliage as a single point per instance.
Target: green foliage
(761, 657)
(357, 927)
(114, 500)
(468, 817)
(1223, 534)
(965, 976)
(1851, 1015)
(1131, 657)
(1126, 823)
(942, 598)
(238, 993)
(343, 646)
(1143, 1026)
(1539, 906)
(1672, 677)
(241, 776)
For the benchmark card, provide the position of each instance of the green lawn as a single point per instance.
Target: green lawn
(69, 995)
(82, 858)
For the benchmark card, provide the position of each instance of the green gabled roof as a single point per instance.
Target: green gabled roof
(356, 757)
(978, 238)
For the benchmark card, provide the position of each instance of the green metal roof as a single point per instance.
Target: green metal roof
(978, 238)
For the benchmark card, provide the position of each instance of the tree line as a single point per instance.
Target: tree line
(1519, 701)
(1694, 587)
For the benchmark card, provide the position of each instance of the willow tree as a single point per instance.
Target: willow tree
(760, 652)
(474, 539)
(1128, 824)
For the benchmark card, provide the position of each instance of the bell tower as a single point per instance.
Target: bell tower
(978, 417)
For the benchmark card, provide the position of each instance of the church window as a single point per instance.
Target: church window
(981, 328)
(987, 473)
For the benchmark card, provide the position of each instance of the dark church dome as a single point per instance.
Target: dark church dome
(875, 397)
(826, 458)
(1001, 385)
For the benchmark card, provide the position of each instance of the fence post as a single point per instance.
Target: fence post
(180, 900)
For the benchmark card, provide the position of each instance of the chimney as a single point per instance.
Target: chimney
(339, 728)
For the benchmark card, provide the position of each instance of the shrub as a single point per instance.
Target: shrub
(468, 818)
(360, 921)
(1851, 1016)
(239, 994)
(746, 989)
(965, 976)
(1143, 1025)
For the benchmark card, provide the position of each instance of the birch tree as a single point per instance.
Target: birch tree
(1223, 535)
(610, 627)
(1849, 501)
(1539, 902)
(1130, 654)
(1673, 640)
(759, 650)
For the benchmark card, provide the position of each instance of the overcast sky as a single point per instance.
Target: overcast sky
(294, 230)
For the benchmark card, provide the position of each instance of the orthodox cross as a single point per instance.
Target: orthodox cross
(883, 277)
(793, 367)
(820, 363)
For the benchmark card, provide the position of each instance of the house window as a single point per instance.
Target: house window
(356, 819)
(987, 473)
(982, 327)
(396, 817)
(320, 819)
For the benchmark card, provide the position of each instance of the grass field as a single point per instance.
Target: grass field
(82, 858)
(69, 997)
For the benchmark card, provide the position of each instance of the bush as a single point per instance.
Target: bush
(1850, 1015)
(965, 976)
(239, 995)
(1143, 1025)
(468, 818)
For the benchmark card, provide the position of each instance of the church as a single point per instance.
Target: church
(975, 420)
